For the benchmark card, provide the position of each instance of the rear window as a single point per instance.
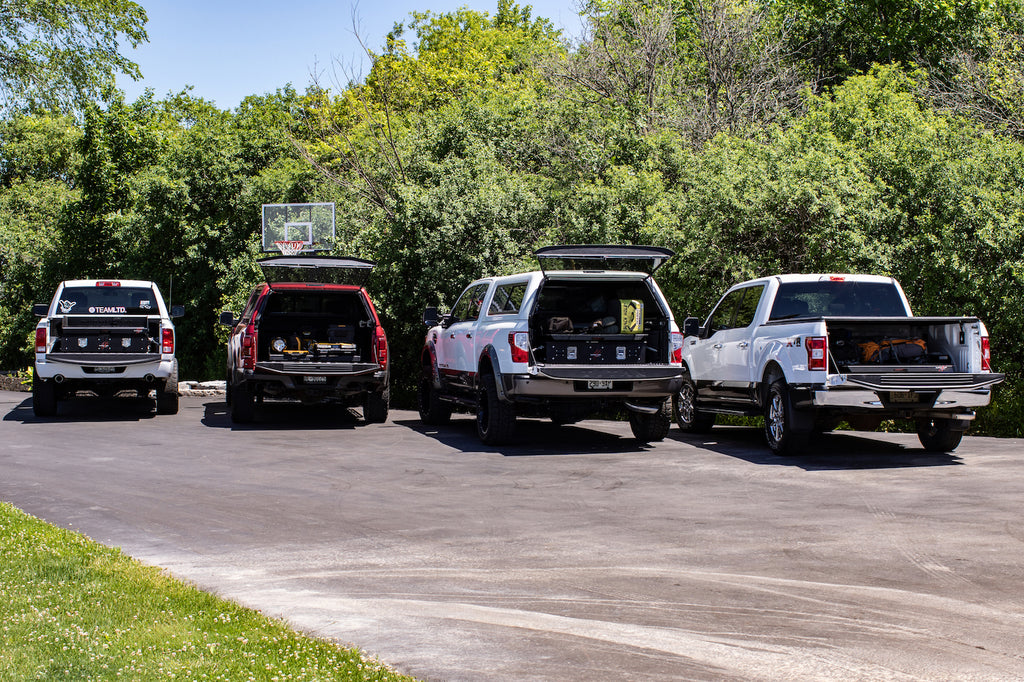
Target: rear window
(837, 299)
(107, 301)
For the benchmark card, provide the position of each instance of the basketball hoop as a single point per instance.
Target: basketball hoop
(290, 247)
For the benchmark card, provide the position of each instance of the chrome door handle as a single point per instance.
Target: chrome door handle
(717, 346)
(743, 344)
(469, 335)
(452, 335)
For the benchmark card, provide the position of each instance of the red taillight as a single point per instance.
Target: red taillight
(249, 348)
(676, 357)
(986, 354)
(817, 352)
(381, 347)
(519, 342)
(167, 341)
(41, 339)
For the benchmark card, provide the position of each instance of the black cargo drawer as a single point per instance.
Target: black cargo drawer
(104, 343)
(586, 352)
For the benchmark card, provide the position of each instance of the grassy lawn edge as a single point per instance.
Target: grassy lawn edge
(71, 608)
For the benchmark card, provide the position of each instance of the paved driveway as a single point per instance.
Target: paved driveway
(572, 555)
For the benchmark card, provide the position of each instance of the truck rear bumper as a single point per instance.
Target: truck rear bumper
(103, 367)
(860, 399)
(595, 382)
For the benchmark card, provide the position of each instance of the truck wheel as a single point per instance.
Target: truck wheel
(433, 410)
(243, 405)
(495, 418)
(375, 408)
(167, 402)
(651, 428)
(689, 418)
(938, 435)
(44, 398)
(778, 421)
(227, 388)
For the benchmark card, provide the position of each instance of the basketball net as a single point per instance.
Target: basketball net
(290, 247)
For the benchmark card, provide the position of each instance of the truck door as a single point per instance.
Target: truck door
(735, 354)
(721, 355)
(455, 353)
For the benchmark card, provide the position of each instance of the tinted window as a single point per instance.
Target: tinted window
(508, 298)
(108, 301)
(722, 316)
(837, 299)
(469, 304)
(748, 306)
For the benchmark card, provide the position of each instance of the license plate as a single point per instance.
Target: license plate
(103, 370)
(314, 380)
(599, 385)
(903, 397)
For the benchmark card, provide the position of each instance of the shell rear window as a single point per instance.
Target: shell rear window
(107, 301)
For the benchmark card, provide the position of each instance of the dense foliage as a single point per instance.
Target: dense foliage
(750, 137)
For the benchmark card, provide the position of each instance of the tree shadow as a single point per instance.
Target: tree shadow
(284, 416)
(836, 450)
(533, 437)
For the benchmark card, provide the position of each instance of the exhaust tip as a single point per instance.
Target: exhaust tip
(59, 379)
(150, 378)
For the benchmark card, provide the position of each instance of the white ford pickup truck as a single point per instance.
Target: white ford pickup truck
(105, 336)
(592, 330)
(809, 351)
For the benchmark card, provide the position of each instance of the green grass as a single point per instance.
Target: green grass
(72, 609)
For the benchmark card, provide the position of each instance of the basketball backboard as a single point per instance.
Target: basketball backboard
(297, 228)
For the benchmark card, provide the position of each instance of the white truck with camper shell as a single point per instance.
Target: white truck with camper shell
(809, 351)
(590, 330)
(105, 336)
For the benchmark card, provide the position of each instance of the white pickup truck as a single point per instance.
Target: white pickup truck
(592, 330)
(105, 336)
(809, 351)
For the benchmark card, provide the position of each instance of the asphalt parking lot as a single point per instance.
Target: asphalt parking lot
(572, 554)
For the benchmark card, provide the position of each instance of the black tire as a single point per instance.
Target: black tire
(433, 410)
(938, 435)
(167, 402)
(651, 428)
(243, 405)
(778, 421)
(495, 418)
(227, 388)
(375, 408)
(688, 417)
(44, 398)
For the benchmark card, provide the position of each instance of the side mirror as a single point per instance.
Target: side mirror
(430, 316)
(227, 318)
(691, 326)
(40, 309)
(177, 310)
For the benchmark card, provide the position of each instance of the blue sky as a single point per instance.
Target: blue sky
(228, 49)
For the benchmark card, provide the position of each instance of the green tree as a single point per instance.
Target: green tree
(60, 54)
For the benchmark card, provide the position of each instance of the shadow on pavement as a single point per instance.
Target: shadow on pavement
(283, 416)
(533, 437)
(87, 409)
(837, 450)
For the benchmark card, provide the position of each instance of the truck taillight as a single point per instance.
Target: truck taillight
(381, 348)
(167, 341)
(249, 348)
(519, 343)
(676, 357)
(41, 339)
(986, 354)
(817, 352)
